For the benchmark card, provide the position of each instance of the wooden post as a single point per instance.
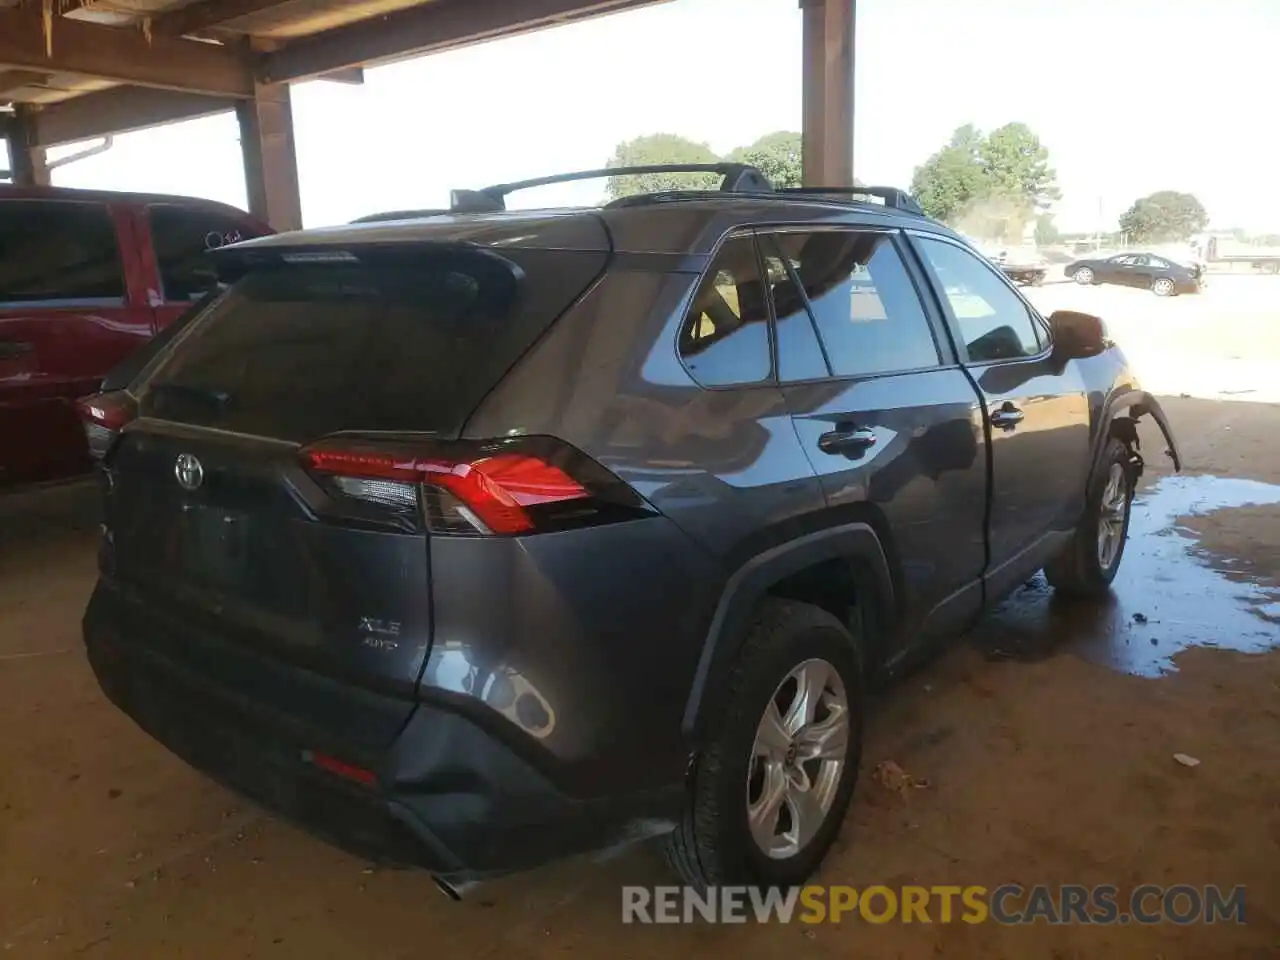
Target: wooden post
(27, 160)
(270, 157)
(828, 91)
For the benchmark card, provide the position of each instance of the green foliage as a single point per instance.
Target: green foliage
(1015, 164)
(1047, 233)
(777, 155)
(660, 148)
(1164, 216)
(1001, 179)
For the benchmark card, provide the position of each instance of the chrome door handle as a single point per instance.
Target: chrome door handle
(1007, 417)
(848, 440)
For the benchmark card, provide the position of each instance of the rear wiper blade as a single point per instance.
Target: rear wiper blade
(207, 395)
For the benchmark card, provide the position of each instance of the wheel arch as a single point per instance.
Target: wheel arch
(853, 548)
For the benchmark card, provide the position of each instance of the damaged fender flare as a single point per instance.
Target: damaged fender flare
(1132, 405)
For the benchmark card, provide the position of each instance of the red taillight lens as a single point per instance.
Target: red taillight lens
(504, 488)
(104, 415)
(109, 410)
(340, 768)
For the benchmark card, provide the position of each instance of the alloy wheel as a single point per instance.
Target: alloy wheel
(798, 759)
(1113, 512)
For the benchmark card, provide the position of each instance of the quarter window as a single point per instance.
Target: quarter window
(725, 336)
(994, 323)
(865, 307)
(58, 250)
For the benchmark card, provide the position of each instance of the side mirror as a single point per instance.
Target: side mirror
(1077, 335)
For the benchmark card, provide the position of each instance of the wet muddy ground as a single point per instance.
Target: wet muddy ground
(1047, 738)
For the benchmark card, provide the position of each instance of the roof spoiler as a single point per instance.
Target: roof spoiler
(890, 196)
(738, 178)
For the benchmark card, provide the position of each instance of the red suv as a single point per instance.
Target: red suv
(86, 278)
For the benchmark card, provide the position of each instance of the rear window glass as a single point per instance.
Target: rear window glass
(300, 351)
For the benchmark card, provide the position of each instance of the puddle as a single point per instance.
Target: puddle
(1170, 593)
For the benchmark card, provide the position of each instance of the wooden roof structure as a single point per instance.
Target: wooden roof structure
(87, 68)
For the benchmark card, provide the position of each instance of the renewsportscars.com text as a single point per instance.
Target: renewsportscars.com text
(1007, 904)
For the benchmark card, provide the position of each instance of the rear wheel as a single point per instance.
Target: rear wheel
(1083, 276)
(771, 790)
(1088, 563)
(1163, 287)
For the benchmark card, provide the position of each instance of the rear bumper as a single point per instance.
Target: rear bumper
(448, 795)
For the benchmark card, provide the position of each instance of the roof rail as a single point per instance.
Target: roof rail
(738, 178)
(398, 215)
(892, 196)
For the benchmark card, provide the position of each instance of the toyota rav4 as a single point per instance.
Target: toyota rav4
(474, 539)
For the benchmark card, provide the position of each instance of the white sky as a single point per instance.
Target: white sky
(1130, 96)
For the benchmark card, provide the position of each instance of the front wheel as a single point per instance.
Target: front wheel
(771, 790)
(1083, 276)
(1089, 561)
(1162, 287)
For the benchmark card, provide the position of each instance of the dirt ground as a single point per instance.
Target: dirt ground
(1047, 738)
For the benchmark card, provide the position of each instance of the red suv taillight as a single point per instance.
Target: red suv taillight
(104, 415)
(500, 488)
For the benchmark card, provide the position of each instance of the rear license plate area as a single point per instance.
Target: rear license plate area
(214, 545)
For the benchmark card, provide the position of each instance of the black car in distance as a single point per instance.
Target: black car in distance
(472, 540)
(1146, 271)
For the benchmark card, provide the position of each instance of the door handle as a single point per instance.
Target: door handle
(12, 349)
(1007, 417)
(846, 440)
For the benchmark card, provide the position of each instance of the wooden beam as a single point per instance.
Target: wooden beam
(11, 80)
(430, 27)
(121, 110)
(207, 14)
(353, 76)
(123, 54)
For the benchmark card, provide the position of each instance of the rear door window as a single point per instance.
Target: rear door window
(799, 352)
(866, 308)
(58, 252)
(182, 237)
(300, 351)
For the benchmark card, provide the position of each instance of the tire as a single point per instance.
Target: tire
(1083, 276)
(1163, 287)
(1084, 568)
(714, 843)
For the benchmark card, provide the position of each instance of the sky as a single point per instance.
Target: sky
(1130, 96)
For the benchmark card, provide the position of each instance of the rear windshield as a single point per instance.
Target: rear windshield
(298, 351)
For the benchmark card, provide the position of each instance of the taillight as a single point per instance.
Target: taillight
(500, 488)
(104, 415)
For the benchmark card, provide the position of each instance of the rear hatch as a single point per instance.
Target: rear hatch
(215, 516)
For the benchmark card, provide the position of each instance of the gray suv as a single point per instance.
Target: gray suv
(471, 540)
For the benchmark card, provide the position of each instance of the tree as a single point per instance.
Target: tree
(952, 178)
(995, 183)
(1015, 165)
(777, 155)
(660, 148)
(1163, 216)
(1047, 233)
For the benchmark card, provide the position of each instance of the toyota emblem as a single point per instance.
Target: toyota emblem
(189, 471)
